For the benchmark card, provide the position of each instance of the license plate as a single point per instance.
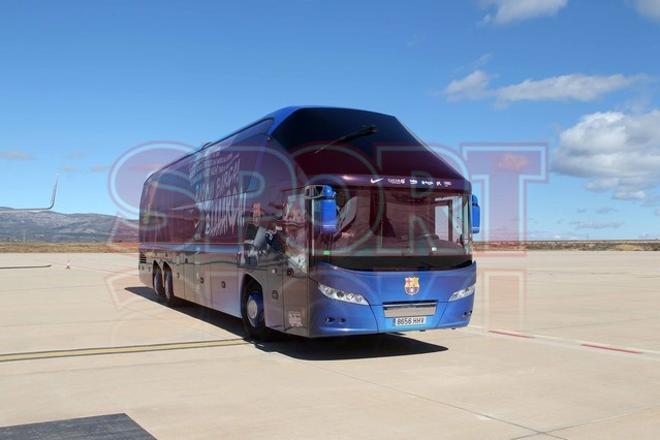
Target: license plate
(410, 320)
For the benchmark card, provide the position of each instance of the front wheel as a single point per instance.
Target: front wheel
(252, 312)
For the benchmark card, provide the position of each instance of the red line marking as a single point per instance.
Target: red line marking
(517, 335)
(604, 347)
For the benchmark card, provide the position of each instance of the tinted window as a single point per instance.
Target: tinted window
(398, 229)
(391, 150)
(319, 126)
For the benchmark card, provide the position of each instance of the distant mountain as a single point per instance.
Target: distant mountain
(55, 227)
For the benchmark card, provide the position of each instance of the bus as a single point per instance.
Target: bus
(316, 222)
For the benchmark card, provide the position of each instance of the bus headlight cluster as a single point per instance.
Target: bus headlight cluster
(463, 293)
(340, 295)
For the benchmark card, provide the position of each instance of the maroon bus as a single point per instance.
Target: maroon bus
(314, 221)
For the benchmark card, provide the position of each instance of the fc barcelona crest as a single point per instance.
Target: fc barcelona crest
(412, 285)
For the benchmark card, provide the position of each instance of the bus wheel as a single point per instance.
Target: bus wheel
(252, 311)
(170, 299)
(158, 283)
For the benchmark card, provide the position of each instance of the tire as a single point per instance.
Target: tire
(158, 283)
(168, 285)
(252, 313)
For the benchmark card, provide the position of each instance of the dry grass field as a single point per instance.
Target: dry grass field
(17, 247)
(586, 245)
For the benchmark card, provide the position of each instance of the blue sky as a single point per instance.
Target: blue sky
(83, 82)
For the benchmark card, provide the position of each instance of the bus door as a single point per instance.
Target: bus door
(271, 263)
(294, 265)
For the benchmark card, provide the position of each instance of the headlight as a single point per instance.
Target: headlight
(340, 295)
(463, 293)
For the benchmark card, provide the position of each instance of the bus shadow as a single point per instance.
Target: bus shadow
(349, 347)
(322, 349)
(213, 317)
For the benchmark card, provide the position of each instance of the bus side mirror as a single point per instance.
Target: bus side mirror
(476, 215)
(326, 211)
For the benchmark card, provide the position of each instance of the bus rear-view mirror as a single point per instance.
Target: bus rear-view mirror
(476, 215)
(326, 211)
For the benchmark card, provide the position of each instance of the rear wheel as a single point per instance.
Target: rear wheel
(158, 283)
(170, 299)
(252, 312)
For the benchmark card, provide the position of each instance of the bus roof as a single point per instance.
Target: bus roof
(279, 116)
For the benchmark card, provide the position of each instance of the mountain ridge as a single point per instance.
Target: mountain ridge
(57, 227)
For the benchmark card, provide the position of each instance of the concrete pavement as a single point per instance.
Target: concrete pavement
(563, 345)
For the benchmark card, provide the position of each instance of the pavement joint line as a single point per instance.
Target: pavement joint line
(548, 434)
(604, 347)
(78, 352)
(509, 333)
(592, 324)
(126, 270)
(597, 420)
(45, 266)
(77, 286)
(59, 324)
(576, 343)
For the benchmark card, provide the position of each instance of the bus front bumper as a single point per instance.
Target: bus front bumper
(330, 317)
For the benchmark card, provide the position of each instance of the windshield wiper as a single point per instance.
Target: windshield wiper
(366, 130)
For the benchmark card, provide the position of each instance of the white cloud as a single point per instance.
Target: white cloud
(629, 195)
(98, 168)
(76, 154)
(482, 60)
(472, 86)
(601, 185)
(648, 8)
(509, 11)
(606, 210)
(576, 87)
(69, 169)
(596, 225)
(617, 151)
(16, 155)
(652, 200)
(415, 40)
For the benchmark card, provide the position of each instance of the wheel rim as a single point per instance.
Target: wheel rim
(253, 309)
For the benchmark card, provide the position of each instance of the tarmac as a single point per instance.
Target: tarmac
(562, 344)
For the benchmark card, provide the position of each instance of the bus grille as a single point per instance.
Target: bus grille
(398, 310)
(143, 258)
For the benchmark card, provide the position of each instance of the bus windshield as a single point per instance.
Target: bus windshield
(398, 229)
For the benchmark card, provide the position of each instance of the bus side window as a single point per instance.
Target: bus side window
(294, 231)
(442, 221)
